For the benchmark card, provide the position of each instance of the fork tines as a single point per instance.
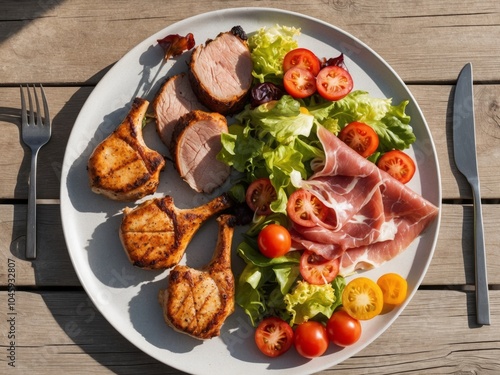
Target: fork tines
(24, 114)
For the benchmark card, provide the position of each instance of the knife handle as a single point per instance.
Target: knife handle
(482, 298)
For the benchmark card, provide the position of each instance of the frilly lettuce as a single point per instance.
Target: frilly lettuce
(272, 286)
(269, 46)
(317, 302)
(390, 122)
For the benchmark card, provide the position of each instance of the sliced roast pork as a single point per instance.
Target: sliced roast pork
(122, 167)
(174, 99)
(195, 144)
(221, 72)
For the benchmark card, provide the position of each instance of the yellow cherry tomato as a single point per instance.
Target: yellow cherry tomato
(362, 298)
(394, 288)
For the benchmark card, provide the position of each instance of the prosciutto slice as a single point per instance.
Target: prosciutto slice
(372, 216)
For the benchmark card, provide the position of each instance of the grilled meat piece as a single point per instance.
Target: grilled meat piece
(156, 233)
(122, 167)
(174, 99)
(196, 142)
(197, 302)
(221, 72)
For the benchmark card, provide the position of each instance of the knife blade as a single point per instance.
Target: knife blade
(464, 149)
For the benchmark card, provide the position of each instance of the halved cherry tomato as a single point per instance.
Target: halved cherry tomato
(398, 164)
(302, 58)
(299, 83)
(343, 329)
(273, 336)
(259, 196)
(311, 339)
(318, 270)
(274, 241)
(362, 298)
(334, 82)
(394, 288)
(305, 209)
(360, 137)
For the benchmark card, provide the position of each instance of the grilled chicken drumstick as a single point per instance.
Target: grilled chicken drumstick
(122, 167)
(156, 233)
(197, 302)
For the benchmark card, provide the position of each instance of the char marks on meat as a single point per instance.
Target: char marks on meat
(122, 167)
(372, 216)
(221, 72)
(174, 99)
(195, 144)
(156, 233)
(197, 302)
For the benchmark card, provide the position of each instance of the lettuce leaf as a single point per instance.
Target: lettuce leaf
(390, 122)
(309, 301)
(264, 282)
(269, 46)
(273, 140)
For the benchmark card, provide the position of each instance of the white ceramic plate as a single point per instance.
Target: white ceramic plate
(127, 296)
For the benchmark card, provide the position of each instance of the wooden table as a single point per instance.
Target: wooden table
(69, 45)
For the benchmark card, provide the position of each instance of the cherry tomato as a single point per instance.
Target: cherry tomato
(302, 58)
(299, 83)
(398, 164)
(318, 270)
(311, 339)
(273, 336)
(259, 196)
(362, 298)
(343, 329)
(334, 82)
(274, 241)
(305, 209)
(394, 288)
(360, 137)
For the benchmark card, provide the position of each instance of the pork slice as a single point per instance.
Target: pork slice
(196, 141)
(174, 99)
(221, 72)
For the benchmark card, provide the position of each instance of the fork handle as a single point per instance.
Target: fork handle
(482, 298)
(31, 222)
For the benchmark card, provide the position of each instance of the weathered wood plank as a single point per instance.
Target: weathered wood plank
(90, 31)
(63, 332)
(66, 102)
(452, 261)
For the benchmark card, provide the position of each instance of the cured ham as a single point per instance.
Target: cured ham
(372, 216)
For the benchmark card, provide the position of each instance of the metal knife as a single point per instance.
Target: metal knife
(464, 147)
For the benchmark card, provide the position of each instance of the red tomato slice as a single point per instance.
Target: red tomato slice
(299, 83)
(302, 58)
(398, 164)
(259, 196)
(360, 137)
(334, 82)
(318, 270)
(305, 209)
(273, 336)
(274, 241)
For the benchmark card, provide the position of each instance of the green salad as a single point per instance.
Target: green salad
(277, 140)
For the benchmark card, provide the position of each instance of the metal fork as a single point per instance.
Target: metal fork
(36, 132)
